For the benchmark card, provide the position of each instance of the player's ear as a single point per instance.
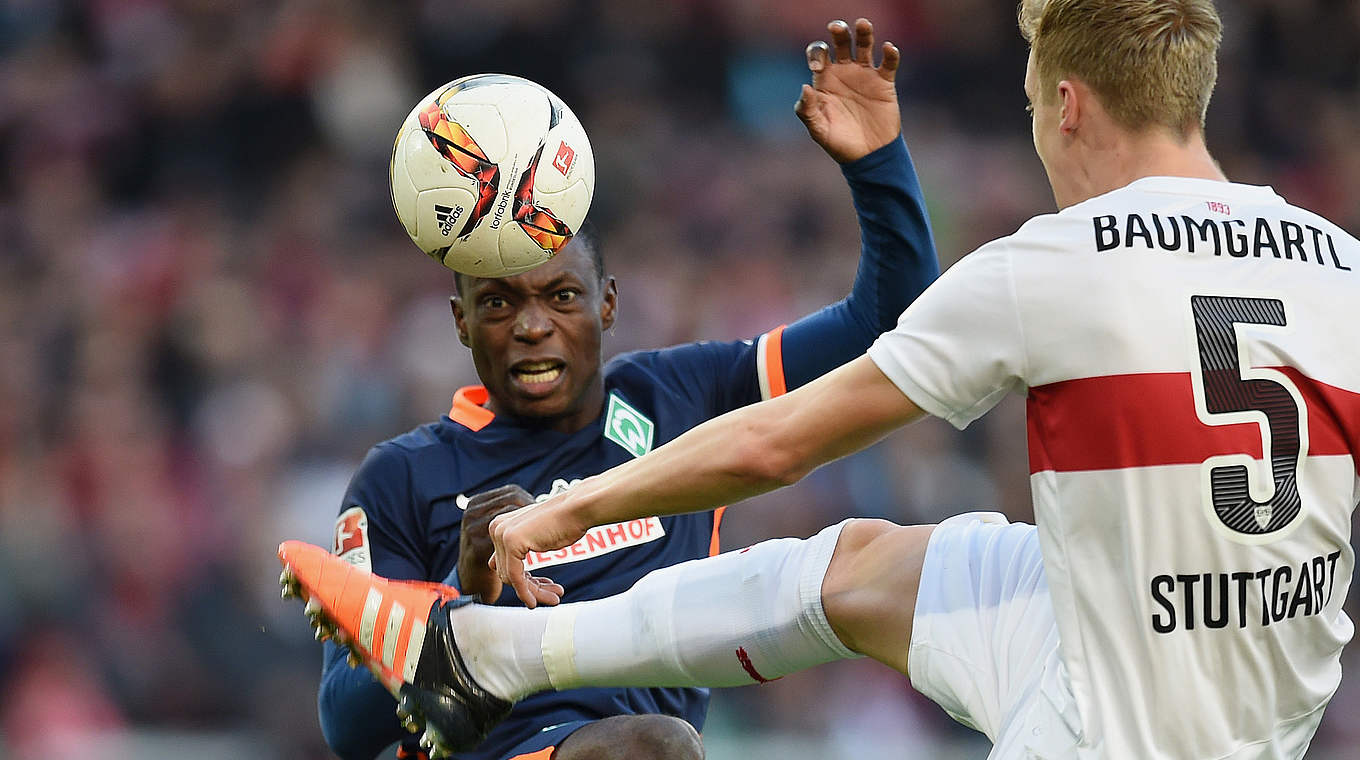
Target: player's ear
(456, 303)
(609, 303)
(1070, 106)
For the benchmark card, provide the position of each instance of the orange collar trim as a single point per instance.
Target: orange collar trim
(468, 410)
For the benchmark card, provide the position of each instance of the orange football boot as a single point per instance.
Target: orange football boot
(401, 631)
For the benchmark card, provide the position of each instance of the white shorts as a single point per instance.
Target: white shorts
(984, 642)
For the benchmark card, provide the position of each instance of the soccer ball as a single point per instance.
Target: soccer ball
(491, 175)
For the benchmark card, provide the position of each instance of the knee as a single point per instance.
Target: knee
(842, 573)
(860, 532)
(634, 737)
(872, 580)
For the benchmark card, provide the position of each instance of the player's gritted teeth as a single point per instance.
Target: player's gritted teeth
(536, 375)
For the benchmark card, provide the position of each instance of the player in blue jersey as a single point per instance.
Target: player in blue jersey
(550, 412)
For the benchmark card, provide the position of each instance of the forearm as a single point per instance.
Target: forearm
(716, 463)
(897, 249)
(897, 262)
(751, 450)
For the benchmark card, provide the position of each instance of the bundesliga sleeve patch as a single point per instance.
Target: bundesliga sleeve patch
(351, 538)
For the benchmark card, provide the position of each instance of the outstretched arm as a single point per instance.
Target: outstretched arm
(851, 110)
(738, 455)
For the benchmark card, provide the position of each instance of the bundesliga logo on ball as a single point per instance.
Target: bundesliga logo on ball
(491, 175)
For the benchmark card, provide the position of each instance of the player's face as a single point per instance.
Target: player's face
(535, 338)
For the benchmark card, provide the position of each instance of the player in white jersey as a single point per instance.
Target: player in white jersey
(1187, 349)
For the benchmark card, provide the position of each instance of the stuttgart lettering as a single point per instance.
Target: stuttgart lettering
(1265, 597)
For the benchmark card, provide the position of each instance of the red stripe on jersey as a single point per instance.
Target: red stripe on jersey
(1145, 420)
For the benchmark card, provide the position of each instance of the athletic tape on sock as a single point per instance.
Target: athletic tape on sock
(559, 647)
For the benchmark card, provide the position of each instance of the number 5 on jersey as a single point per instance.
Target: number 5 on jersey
(1229, 391)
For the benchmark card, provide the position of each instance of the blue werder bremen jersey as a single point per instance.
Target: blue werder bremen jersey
(402, 514)
(409, 490)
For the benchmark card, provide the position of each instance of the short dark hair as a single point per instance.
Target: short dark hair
(588, 237)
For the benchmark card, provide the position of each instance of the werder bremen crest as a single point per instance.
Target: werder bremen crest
(628, 427)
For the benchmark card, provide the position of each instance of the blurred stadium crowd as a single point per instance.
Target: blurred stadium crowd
(210, 312)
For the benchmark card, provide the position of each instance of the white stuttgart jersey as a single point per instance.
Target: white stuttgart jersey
(1189, 353)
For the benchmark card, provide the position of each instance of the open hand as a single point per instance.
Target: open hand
(474, 541)
(542, 527)
(850, 108)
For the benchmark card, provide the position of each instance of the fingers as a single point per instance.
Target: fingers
(508, 488)
(806, 100)
(531, 589)
(556, 588)
(544, 593)
(864, 42)
(511, 570)
(524, 588)
(500, 492)
(840, 39)
(547, 592)
(892, 57)
(818, 55)
(534, 591)
(480, 509)
(507, 495)
(515, 534)
(510, 567)
(478, 580)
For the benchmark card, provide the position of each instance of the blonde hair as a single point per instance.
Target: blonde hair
(1152, 63)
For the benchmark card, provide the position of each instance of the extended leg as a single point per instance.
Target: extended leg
(739, 618)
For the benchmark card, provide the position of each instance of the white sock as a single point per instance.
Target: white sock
(739, 618)
(503, 648)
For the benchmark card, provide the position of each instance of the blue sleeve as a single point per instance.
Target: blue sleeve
(357, 714)
(712, 376)
(897, 262)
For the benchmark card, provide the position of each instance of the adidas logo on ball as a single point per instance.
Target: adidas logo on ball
(446, 217)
